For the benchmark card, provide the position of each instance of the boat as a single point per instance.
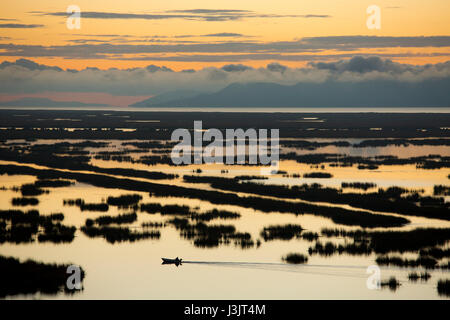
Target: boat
(175, 261)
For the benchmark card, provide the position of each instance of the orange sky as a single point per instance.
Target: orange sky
(263, 21)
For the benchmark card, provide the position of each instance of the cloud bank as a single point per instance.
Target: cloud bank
(226, 50)
(25, 76)
(193, 14)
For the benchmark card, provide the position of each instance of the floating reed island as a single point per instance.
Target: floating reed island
(286, 232)
(358, 185)
(99, 207)
(423, 276)
(329, 249)
(310, 236)
(210, 236)
(402, 241)
(425, 262)
(295, 258)
(25, 201)
(443, 287)
(429, 162)
(36, 188)
(119, 234)
(17, 226)
(124, 201)
(318, 175)
(107, 220)
(183, 210)
(392, 283)
(31, 277)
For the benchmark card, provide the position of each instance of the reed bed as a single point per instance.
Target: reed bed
(295, 258)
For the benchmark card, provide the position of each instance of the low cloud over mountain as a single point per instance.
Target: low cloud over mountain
(351, 78)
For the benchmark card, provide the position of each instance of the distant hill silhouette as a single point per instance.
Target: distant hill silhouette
(373, 93)
(43, 102)
(166, 97)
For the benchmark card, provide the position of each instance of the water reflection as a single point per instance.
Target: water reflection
(243, 245)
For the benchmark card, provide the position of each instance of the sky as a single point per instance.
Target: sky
(195, 35)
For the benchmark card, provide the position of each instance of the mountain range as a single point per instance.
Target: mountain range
(43, 102)
(371, 93)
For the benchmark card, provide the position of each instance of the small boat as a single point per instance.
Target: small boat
(175, 261)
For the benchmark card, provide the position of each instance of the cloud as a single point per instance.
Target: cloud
(26, 76)
(225, 34)
(193, 14)
(352, 42)
(28, 64)
(153, 68)
(276, 67)
(235, 68)
(272, 56)
(20, 26)
(212, 11)
(362, 65)
(220, 35)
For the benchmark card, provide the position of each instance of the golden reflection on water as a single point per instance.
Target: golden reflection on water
(134, 270)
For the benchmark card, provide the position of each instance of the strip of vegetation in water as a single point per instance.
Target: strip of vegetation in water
(99, 207)
(443, 287)
(107, 220)
(31, 190)
(441, 190)
(392, 199)
(119, 234)
(383, 242)
(35, 189)
(313, 145)
(337, 215)
(437, 253)
(310, 236)
(125, 200)
(329, 249)
(295, 258)
(392, 283)
(31, 277)
(402, 142)
(24, 201)
(423, 276)
(169, 209)
(210, 236)
(48, 158)
(153, 224)
(60, 156)
(371, 163)
(396, 261)
(286, 232)
(358, 185)
(215, 214)
(183, 210)
(320, 175)
(17, 227)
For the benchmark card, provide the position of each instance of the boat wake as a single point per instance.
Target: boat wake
(331, 270)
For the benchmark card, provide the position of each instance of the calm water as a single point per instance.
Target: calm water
(134, 271)
(280, 109)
